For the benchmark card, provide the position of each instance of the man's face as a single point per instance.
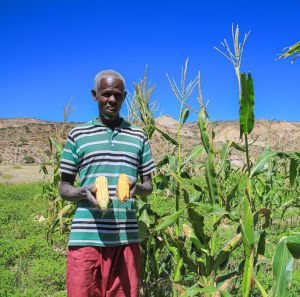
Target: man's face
(110, 96)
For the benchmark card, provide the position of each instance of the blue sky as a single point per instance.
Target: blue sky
(51, 50)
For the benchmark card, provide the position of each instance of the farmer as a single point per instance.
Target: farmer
(103, 257)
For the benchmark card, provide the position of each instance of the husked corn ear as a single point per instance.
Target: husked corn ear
(123, 187)
(102, 194)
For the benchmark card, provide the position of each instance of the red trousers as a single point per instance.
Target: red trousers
(103, 271)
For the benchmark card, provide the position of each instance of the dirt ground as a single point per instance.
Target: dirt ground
(20, 174)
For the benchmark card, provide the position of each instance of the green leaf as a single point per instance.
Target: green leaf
(185, 114)
(143, 222)
(247, 227)
(211, 180)
(196, 290)
(237, 146)
(263, 159)
(226, 251)
(292, 50)
(197, 220)
(282, 269)
(293, 244)
(173, 161)
(209, 209)
(169, 220)
(248, 270)
(246, 105)
(196, 151)
(294, 171)
(162, 162)
(166, 136)
(202, 123)
(261, 288)
(223, 156)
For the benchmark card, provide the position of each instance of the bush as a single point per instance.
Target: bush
(28, 160)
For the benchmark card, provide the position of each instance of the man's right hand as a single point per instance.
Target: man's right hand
(86, 192)
(73, 194)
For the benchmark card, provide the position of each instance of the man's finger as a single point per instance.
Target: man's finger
(91, 198)
(92, 188)
(131, 183)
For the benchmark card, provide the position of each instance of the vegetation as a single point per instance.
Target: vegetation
(291, 51)
(28, 160)
(28, 265)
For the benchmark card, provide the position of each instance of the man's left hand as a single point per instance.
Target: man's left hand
(132, 186)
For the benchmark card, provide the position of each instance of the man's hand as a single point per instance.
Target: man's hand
(73, 194)
(85, 193)
(132, 187)
(143, 189)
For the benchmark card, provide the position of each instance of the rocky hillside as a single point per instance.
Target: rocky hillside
(25, 140)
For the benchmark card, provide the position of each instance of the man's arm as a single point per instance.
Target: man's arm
(69, 192)
(145, 188)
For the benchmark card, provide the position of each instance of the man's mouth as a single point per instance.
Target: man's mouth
(111, 108)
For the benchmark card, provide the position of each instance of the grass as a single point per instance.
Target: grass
(28, 265)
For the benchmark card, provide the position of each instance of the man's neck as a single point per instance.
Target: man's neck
(111, 123)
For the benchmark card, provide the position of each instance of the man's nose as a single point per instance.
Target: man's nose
(112, 99)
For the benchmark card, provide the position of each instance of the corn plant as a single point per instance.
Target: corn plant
(60, 211)
(291, 51)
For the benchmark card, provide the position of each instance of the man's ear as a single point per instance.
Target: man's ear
(94, 95)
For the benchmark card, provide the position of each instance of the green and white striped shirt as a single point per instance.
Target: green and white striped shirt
(93, 149)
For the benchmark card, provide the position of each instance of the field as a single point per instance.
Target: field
(31, 267)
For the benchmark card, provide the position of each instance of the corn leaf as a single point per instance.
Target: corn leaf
(143, 222)
(196, 151)
(246, 105)
(169, 220)
(196, 290)
(237, 146)
(226, 251)
(197, 220)
(173, 161)
(294, 171)
(166, 136)
(282, 269)
(203, 129)
(184, 115)
(162, 162)
(292, 50)
(247, 227)
(261, 288)
(261, 162)
(293, 244)
(248, 270)
(211, 180)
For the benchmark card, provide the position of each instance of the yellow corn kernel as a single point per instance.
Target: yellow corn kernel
(123, 190)
(102, 194)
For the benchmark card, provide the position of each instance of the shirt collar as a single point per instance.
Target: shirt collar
(98, 122)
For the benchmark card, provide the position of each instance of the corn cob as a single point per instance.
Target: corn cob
(123, 190)
(102, 194)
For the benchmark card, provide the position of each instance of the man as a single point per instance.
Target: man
(103, 257)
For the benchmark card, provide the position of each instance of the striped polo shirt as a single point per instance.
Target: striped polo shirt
(93, 149)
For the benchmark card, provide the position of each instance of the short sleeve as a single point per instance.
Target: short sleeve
(146, 164)
(69, 160)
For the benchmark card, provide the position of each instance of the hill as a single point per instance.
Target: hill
(25, 140)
